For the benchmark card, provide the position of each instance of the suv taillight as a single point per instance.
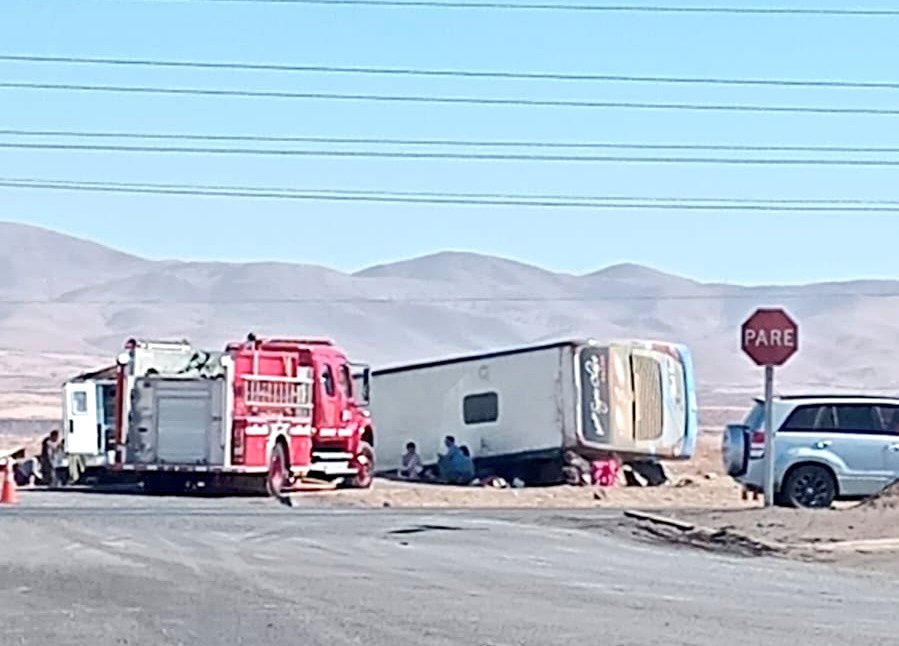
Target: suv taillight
(757, 444)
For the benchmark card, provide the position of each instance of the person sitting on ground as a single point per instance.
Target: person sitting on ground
(466, 465)
(25, 472)
(576, 470)
(411, 469)
(445, 460)
(453, 466)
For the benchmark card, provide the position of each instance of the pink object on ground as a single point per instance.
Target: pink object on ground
(605, 472)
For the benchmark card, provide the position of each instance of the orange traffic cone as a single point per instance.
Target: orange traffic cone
(8, 494)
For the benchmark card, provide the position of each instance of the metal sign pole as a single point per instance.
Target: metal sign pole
(769, 436)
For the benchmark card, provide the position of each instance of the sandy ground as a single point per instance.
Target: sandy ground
(31, 441)
(35, 405)
(861, 535)
(873, 520)
(876, 519)
(697, 483)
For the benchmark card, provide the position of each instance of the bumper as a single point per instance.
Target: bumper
(327, 469)
(754, 478)
(90, 461)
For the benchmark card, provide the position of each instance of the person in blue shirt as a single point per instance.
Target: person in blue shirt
(466, 465)
(455, 466)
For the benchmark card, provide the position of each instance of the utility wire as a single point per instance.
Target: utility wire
(503, 157)
(751, 294)
(460, 143)
(598, 8)
(493, 195)
(460, 199)
(457, 100)
(488, 74)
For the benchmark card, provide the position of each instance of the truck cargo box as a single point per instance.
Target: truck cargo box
(177, 421)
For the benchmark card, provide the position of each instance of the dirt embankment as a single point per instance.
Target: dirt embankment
(875, 519)
(864, 534)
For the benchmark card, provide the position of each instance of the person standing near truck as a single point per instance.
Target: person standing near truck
(51, 449)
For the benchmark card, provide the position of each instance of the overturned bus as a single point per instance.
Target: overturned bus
(519, 410)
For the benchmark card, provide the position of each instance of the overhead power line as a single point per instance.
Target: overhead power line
(749, 295)
(460, 199)
(492, 195)
(478, 74)
(449, 100)
(452, 143)
(457, 156)
(577, 7)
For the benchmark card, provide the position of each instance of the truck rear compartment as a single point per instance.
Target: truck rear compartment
(177, 422)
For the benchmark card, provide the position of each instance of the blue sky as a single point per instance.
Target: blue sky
(744, 247)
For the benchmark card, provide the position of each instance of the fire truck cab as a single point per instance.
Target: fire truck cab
(265, 410)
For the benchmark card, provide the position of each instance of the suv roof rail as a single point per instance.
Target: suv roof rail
(830, 396)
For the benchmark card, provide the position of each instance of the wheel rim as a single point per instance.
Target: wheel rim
(811, 488)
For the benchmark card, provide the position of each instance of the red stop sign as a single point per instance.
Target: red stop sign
(770, 337)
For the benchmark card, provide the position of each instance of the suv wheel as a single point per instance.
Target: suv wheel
(811, 486)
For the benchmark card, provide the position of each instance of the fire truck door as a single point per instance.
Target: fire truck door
(329, 409)
(344, 395)
(82, 431)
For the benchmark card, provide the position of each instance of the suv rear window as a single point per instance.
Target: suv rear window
(889, 415)
(858, 418)
(810, 418)
(756, 417)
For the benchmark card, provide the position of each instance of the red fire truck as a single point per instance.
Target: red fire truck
(264, 412)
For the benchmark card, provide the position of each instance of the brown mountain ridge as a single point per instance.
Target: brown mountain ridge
(79, 299)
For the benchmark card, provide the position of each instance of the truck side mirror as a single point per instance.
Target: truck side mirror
(361, 375)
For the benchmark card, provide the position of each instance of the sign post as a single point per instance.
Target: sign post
(769, 337)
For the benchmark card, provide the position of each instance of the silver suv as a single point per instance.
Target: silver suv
(828, 447)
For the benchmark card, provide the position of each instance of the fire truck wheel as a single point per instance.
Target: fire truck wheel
(277, 476)
(365, 463)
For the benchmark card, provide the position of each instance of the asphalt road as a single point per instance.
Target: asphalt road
(123, 570)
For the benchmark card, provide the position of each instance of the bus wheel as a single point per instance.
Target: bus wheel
(277, 475)
(365, 465)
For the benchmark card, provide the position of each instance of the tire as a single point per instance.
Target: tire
(278, 475)
(810, 486)
(735, 449)
(365, 463)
